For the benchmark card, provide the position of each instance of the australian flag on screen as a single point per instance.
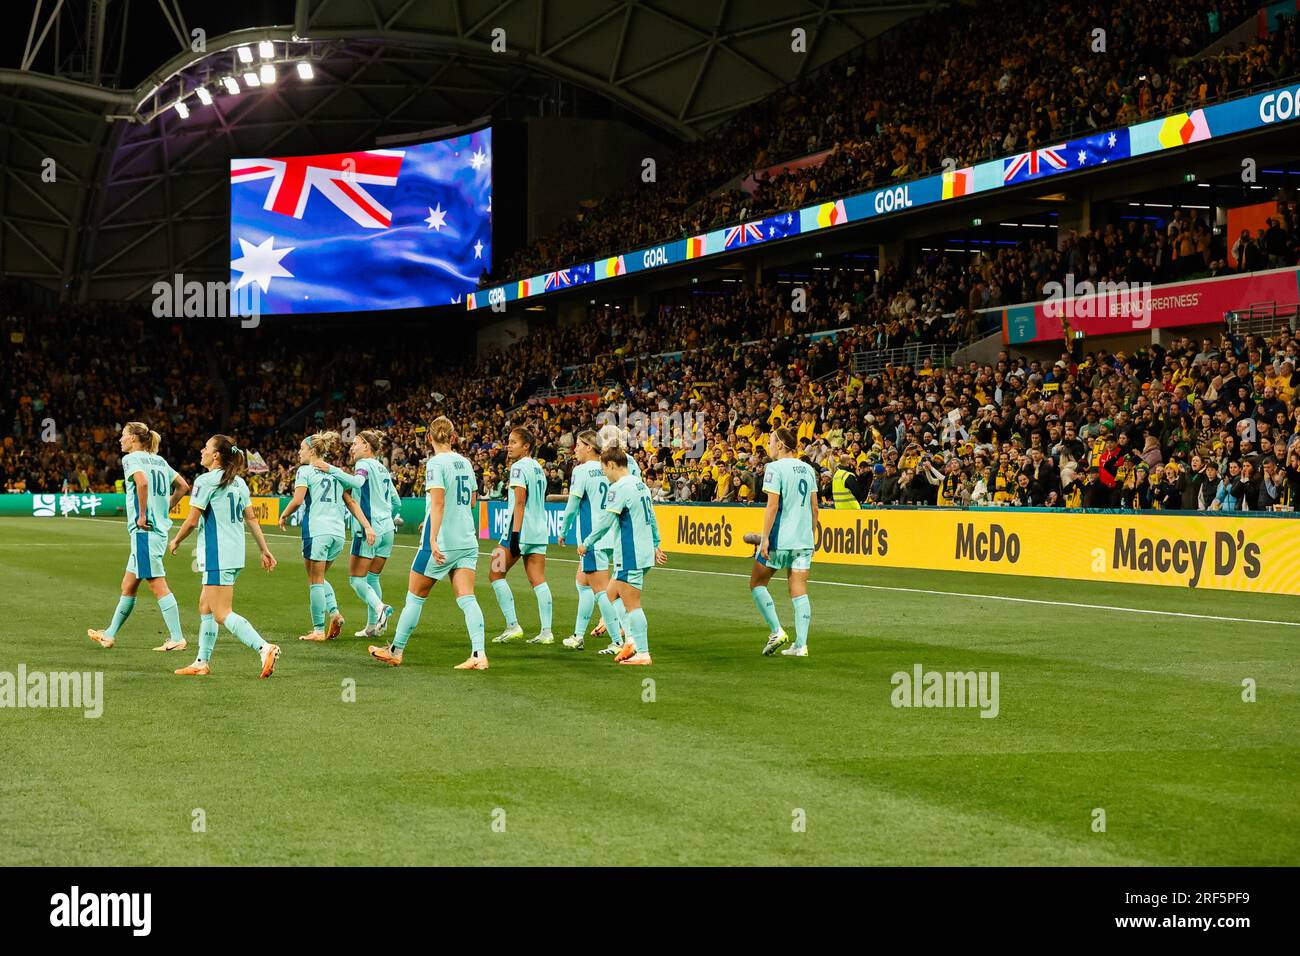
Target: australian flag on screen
(781, 226)
(1086, 152)
(376, 229)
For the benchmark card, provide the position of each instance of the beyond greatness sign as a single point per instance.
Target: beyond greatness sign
(1206, 552)
(1088, 152)
(1094, 312)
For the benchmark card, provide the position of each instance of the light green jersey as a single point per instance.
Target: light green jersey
(527, 473)
(376, 494)
(158, 477)
(587, 488)
(221, 521)
(323, 509)
(796, 482)
(635, 532)
(455, 476)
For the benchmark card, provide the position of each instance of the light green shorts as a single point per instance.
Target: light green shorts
(456, 560)
(634, 577)
(323, 547)
(795, 560)
(382, 548)
(146, 560)
(225, 578)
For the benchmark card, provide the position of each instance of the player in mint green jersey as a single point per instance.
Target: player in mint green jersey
(220, 508)
(790, 531)
(324, 501)
(152, 490)
(629, 514)
(372, 484)
(587, 488)
(611, 606)
(525, 535)
(448, 546)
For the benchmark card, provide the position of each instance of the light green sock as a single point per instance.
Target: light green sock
(409, 620)
(331, 602)
(639, 628)
(246, 633)
(544, 605)
(171, 617)
(362, 589)
(766, 607)
(317, 594)
(802, 618)
(586, 604)
(473, 621)
(505, 601)
(373, 580)
(207, 636)
(608, 616)
(125, 605)
(621, 612)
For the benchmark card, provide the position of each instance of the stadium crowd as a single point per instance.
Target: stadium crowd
(938, 96)
(1204, 425)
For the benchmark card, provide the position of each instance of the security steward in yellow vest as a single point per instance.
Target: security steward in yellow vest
(844, 486)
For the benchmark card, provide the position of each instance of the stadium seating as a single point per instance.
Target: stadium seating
(943, 96)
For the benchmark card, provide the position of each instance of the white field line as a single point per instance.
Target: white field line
(899, 590)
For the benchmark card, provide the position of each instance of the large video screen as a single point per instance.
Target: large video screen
(376, 229)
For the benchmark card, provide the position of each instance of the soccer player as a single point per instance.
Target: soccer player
(611, 605)
(587, 488)
(525, 535)
(220, 508)
(790, 529)
(630, 515)
(153, 488)
(324, 500)
(448, 546)
(372, 482)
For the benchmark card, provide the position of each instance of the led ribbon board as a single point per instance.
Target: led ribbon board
(1087, 152)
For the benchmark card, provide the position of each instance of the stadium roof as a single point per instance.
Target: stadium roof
(145, 192)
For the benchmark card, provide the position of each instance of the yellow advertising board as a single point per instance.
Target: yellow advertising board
(267, 508)
(1177, 550)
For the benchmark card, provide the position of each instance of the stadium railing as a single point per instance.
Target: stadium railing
(872, 363)
(1263, 318)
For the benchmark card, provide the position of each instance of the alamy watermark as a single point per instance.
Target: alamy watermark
(78, 690)
(75, 908)
(176, 298)
(922, 688)
(666, 429)
(1101, 300)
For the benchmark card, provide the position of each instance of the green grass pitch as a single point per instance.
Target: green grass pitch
(1138, 714)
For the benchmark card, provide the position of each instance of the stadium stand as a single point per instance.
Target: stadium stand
(738, 363)
(942, 97)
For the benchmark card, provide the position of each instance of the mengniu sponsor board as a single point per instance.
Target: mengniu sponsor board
(1207, 552)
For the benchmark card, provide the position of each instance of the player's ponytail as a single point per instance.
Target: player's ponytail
(326, 445)
(231, 457)
(442, 431)
(149, 439)
(787, 439)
